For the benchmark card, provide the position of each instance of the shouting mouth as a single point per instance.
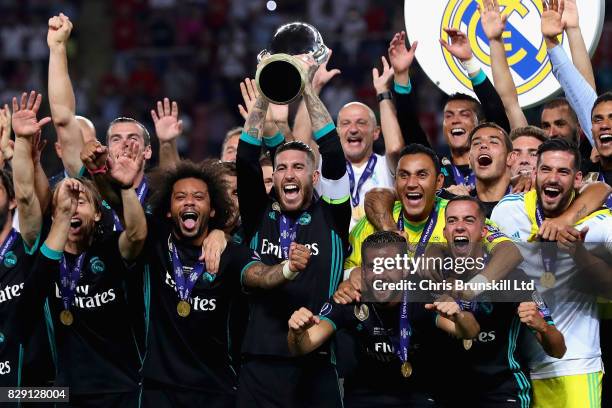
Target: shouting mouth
(189, 219)
(484, 160)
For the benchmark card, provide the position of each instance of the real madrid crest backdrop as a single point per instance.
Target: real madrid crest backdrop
(525, 47)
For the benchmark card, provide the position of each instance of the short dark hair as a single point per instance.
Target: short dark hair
(604, 97)
(164, 179)
(560, 145)
(380, 239)
(296, 145)
(417, 148)
(481, 208)
(560, 102)
(476, 106)
(529, 131)
(492, 125)
(145, 133)
(226, 168)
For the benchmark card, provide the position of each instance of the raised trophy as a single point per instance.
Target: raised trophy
(280, 79)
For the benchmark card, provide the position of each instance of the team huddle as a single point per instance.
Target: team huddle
(248, 281)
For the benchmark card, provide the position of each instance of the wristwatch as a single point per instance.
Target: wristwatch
(384, 95)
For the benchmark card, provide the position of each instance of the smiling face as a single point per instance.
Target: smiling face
(559, 122)
(524, 155)
(488, 154)
(459, 120)
(190, 208)
(371, 259)
(294, 178)
(556, 180)
(464, 229)
(416, 183)
(231, 185)
(602, 129)
(357, 129)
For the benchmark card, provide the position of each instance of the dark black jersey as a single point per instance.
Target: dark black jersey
(22, 363)
(322, 227)
(190, 352)
(491, 363)
(97, 353)
(378, 366)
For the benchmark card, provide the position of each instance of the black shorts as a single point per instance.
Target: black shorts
(309, 381)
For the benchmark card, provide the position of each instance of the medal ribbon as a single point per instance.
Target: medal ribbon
(549, 253)
(401, 349)
(469, 180)
(184, 285)
(69, 277)
(367, 173)
(141, 192)
(288, 232)
(8, 243)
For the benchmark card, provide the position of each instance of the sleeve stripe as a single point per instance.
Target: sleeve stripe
(402, 89)
(479, 78)
(250, 139)
(30, 251)
(335, 200)
(274, 141)
(327, 319)
(50, 253)
(323, 131)
(247, 266)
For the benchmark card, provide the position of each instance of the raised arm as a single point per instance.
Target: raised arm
(27, 128)
(580, 55)
(61, 95)
(401, 59)
(391, 131)
(579, 93)
(307, 332)
(168, 128)
(262, 276)
(124, 171)
(453, 320)
(252, 196)
(302, 128)
(494, 23)
(7, 146)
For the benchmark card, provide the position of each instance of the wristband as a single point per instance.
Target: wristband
(288, 273)
(99, 170)
(384, 95)
(478, 279)
(472, 66)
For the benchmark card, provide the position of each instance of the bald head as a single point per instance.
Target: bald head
(358, 130)
(87, 128)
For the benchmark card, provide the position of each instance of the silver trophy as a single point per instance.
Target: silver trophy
(280, 79)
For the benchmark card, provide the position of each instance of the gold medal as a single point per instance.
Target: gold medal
(406, 369)
(66, 317)
(183, 308)
(361, 312)
(548, 280)
(358, 212)
(467, 344)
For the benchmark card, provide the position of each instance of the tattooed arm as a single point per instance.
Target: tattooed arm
(262, 276)
(255, 122)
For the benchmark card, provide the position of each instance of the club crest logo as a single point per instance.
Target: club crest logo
(10, 259)
(525, 47)
(96, 265)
